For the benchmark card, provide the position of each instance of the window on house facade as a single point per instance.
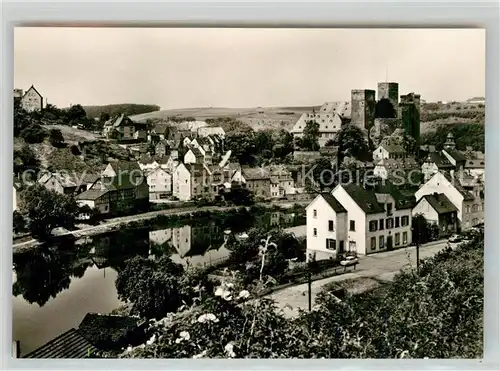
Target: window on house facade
(315, 232)
(381, 242)
(467, 209)
(396, 222)
(389, 223)
(397, 239)
(315, 213)
(373, 226)
(389, 209)
(373, 243)
(405, 238)
(352, 225)
(381, 224)
(404, 221)
(330, 225)
(331, 244)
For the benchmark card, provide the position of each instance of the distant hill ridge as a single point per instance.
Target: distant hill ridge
(128, 109)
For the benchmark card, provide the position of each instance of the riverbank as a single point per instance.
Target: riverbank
(114, 224)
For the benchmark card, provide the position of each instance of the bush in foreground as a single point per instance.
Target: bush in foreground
(437, 314)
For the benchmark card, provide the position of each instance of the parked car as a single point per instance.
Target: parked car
(455, 238)
(349, 260)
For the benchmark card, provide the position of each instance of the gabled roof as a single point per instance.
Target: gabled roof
(439, 159)
(160, 128)
(474, 164)
(255, 174)
(70, 344)
(122, 182)
(393, 148)
(334, 203)
(440, 203)
(457, 156)
(69, 180)
(91, 194)
(455, 182)
(32, 87)
(329, 114)
(365, 199)
(105, 331)
(196, 152)
(403, 163)
(387, 187)
(124, 166)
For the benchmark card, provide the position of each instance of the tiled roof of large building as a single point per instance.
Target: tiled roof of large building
(365, 199)
(329, 117)
(440, 203)
(439, 159)
(457, 156)
(70, 344)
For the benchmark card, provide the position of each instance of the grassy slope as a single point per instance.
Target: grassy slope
(258, 118)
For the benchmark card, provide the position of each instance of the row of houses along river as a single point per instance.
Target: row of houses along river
(54, 287)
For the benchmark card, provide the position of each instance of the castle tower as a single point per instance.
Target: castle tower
(389, 91)
(363, 108)
(409, 107)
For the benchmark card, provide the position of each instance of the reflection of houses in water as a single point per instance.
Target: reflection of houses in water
(279, 218)
(161, 236)
(197, 246)
(115, 248)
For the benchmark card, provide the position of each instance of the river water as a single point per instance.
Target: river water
(55, 287)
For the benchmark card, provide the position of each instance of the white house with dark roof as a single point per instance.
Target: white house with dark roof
(389, 151)
(468, 199)
(438, 209)
(374, 220)
(330, 117)
(378, 219)
(326, 227)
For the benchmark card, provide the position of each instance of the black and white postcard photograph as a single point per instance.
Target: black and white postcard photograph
(248, 193)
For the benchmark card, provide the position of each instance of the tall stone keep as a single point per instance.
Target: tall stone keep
(363, 108)
(409, 107)
(389, 91)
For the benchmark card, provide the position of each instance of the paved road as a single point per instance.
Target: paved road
(109, 223)
(382, 266)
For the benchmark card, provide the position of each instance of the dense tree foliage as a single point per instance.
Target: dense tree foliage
(25, 159)
(309, 140)
(157, 287)
(423, 230)
(34, 133)
(45, 210)
(465, 135)
(351, 142)
(259, 148)
(437, 313)
(55, 137)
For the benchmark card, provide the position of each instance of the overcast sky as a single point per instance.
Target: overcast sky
(183, 67)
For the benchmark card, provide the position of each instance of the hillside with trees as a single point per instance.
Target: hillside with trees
(111, 110)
